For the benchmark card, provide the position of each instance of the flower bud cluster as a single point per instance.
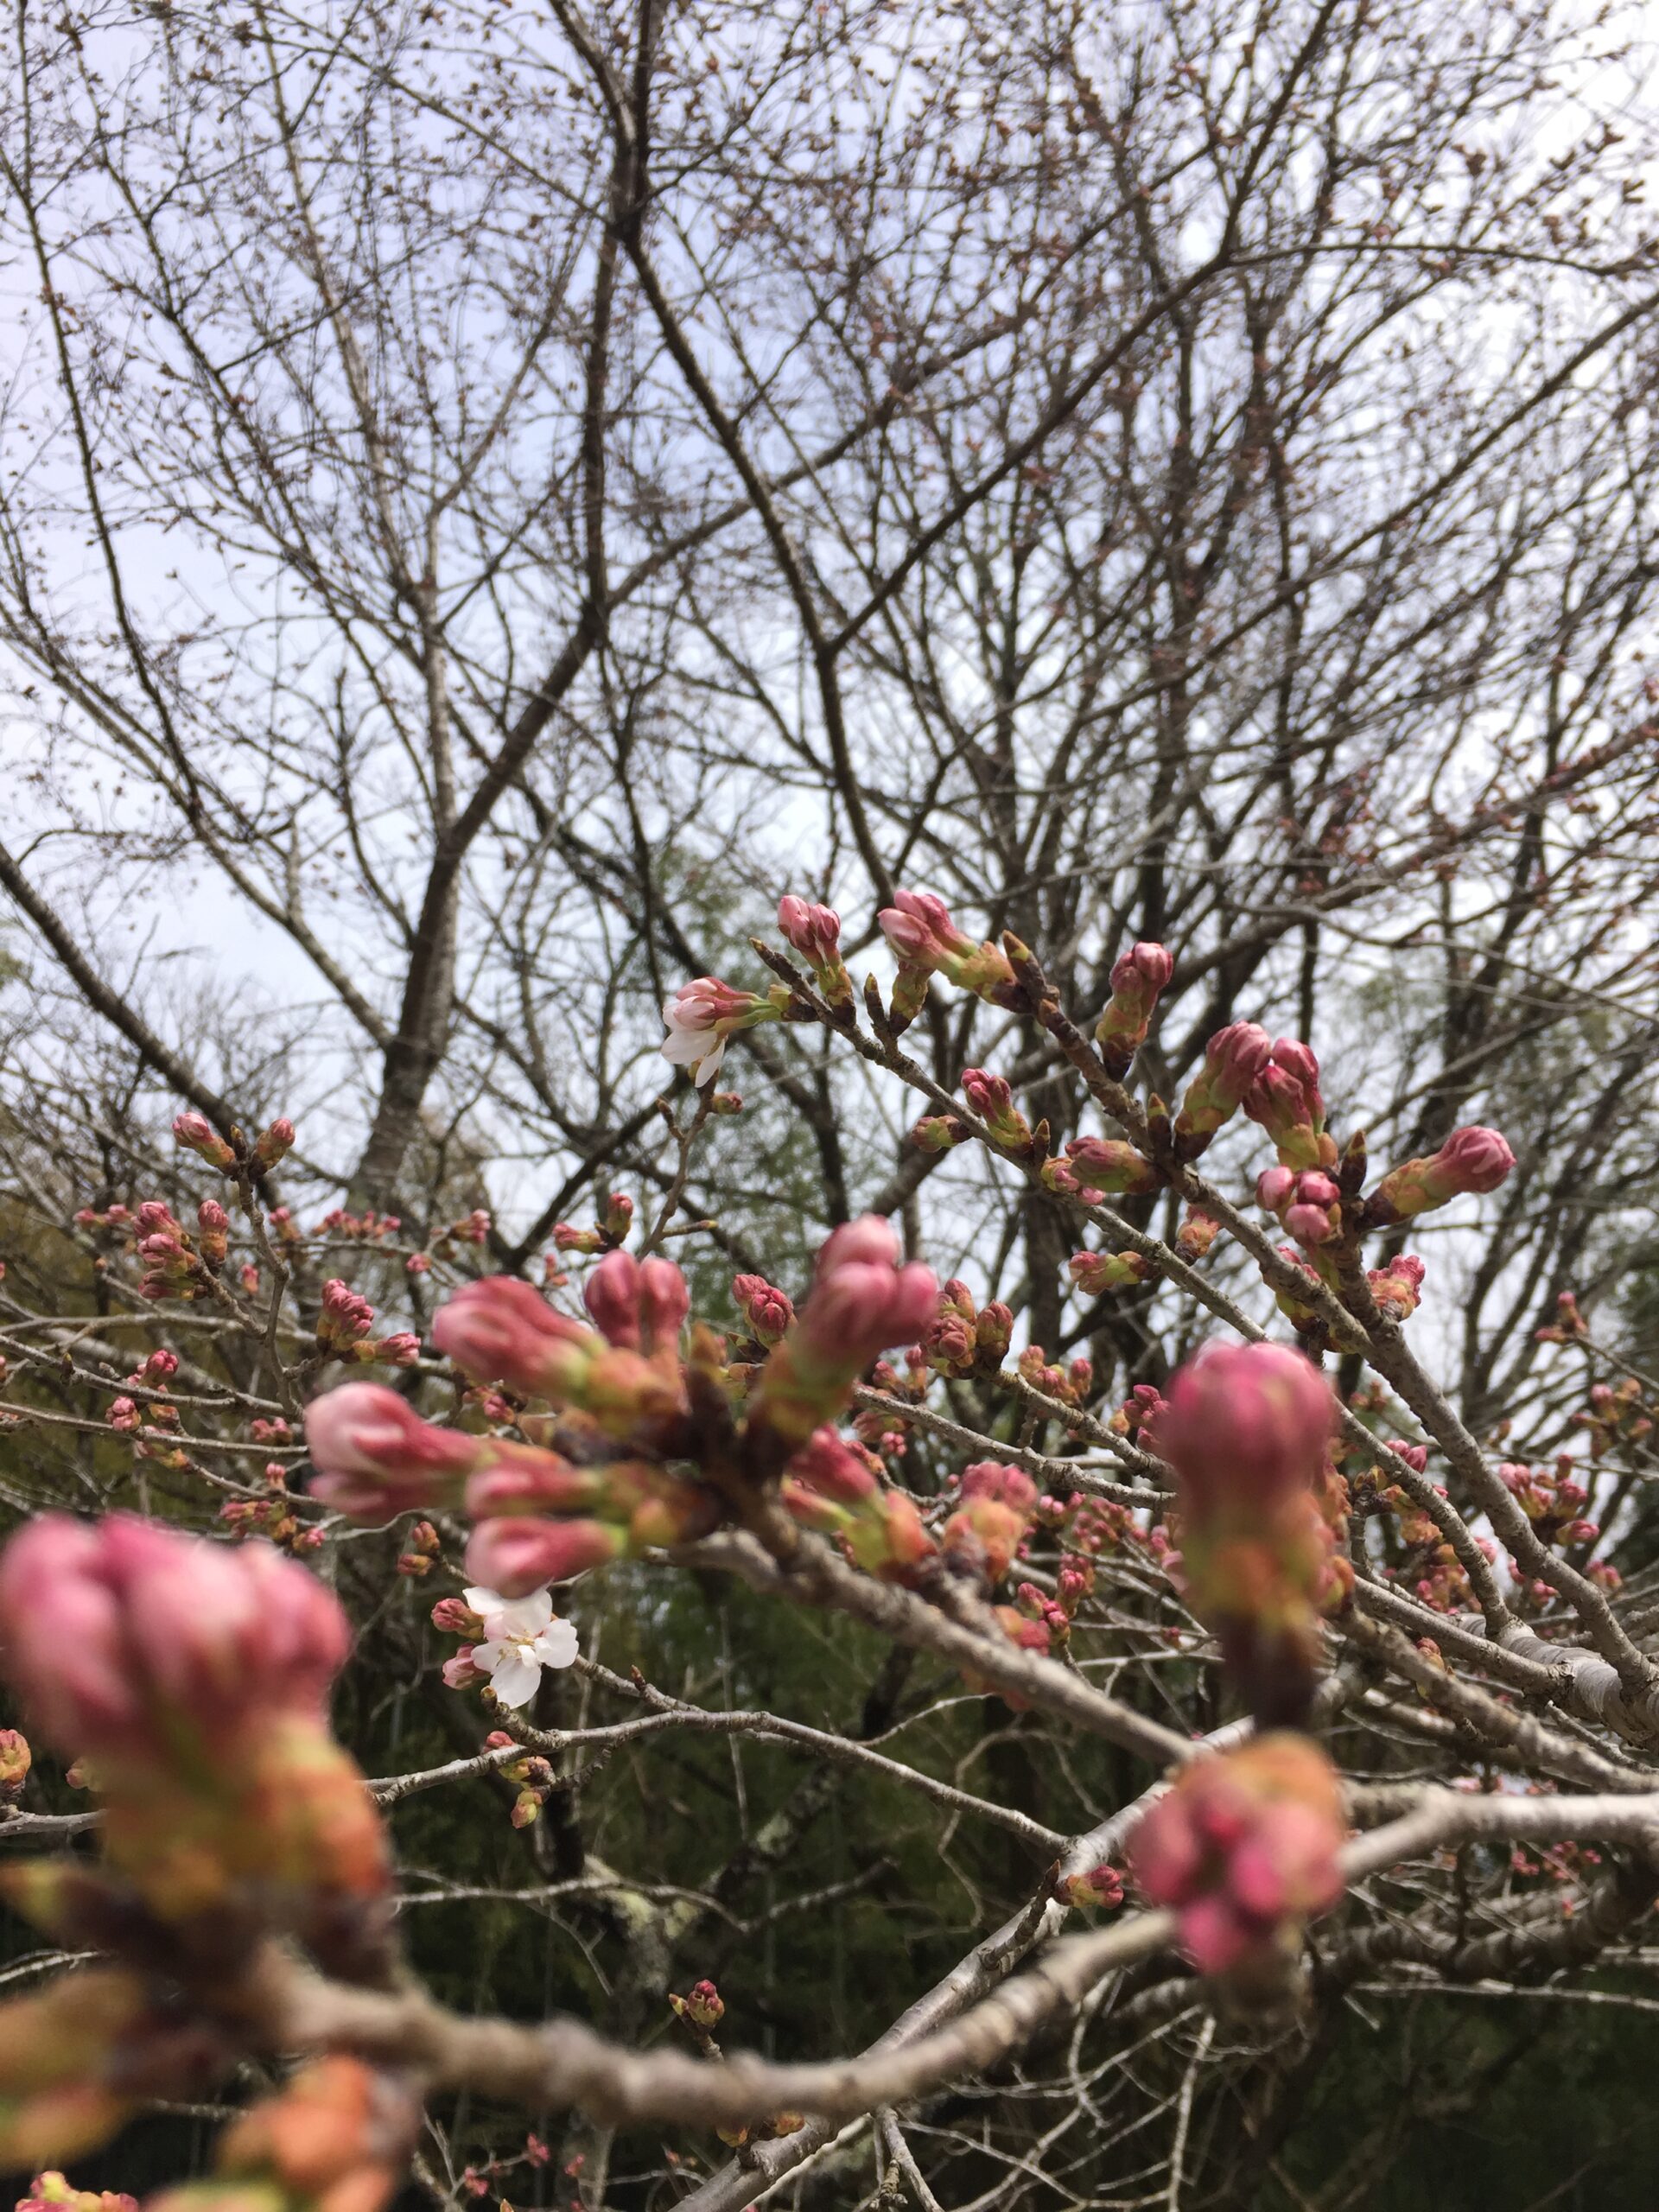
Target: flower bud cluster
(605, 1235)
(1098, 1167)
(1097, 1273)
(193, 1675)
(1138, 979)
(1308, 1204)
(1246, 1431)
(863, 1299)
(997, 1505)
(1233, 1059)
(814, 933)
(271, 1515)
(832, 1486)
(336, 2138)
(768, 1311)
(499, 1330)
(918, 927)
(1285, 1100)
(964, 1339)
(1244, 1847)
(992, 1099)
(1073, 1385)
(1569, 1323)
(1615, 1415)
(196, 1133)
(530, 1775)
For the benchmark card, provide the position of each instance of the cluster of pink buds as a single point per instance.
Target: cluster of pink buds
(1285, 1100)
(702, 2008)
(1139, 1410)
(1615, 1414)
(50, 2192)
(1073, 1385)
(832, 1486)
(335, 2138)
(1307, 1202)
(814, 933)
(638, 1304)
(990, 1523)
(1233, 1059)
(532, 1776)
(1553, 1502)
(609, 1231)
(195, 1676)
(212, 1235)
(343, 1326)
(702, 1014)
(881, 1427)
(499, 1329)
(863, 1299)
(1246, 1431)
(366, 1227)
(1138, 979)
(1055, 1621)
(423, 1550)
(1474, 1159)
(197, 1133)
(273, 1145)
(172, 1268)
(1098, 1167)
(920, 929)
(271, 1515)
(1097, 1273)
(16, 1760)
(1397, 1287)
(117, 1217)
(768, 1311)
(992, 1099)
(376, 1458)
(1245, 1848)
(964, 1340)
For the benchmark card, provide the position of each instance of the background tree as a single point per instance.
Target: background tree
(492, 501)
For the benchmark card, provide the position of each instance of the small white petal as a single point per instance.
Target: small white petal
(484, 1601)
(485, 1655)
(515, 1678)
(710, 1066)
(556, 1646)
(683, 1046)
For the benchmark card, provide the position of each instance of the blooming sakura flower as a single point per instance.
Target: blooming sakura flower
(700, 1017)
(521, 1636)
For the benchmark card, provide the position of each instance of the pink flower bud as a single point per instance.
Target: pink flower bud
(827, 1465)
(700, 1017)
(15, 1759)
(1245, 1426)
(375, 1456)
(401, 1349)
(918, 927)
(275, 1143)
(459, 1672)
(813, 931)
(454, 1616)
(767, 1310)
(1244, 1847)
(612, 1296)
(197, 1133)
(499, 1330)
(1415, 1455)
(860, 1302)
(1273, 1187)
(1311, 1226)
(1315, 1189)
(1471, 1160)
(515, 1557)
(1138, 978)
(1233, 1059)
(664, 1303)
(124, 1637)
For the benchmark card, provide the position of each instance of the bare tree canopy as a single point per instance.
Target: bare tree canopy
(1145, 512)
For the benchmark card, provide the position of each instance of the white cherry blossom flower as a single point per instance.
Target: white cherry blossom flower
(521, 1636)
